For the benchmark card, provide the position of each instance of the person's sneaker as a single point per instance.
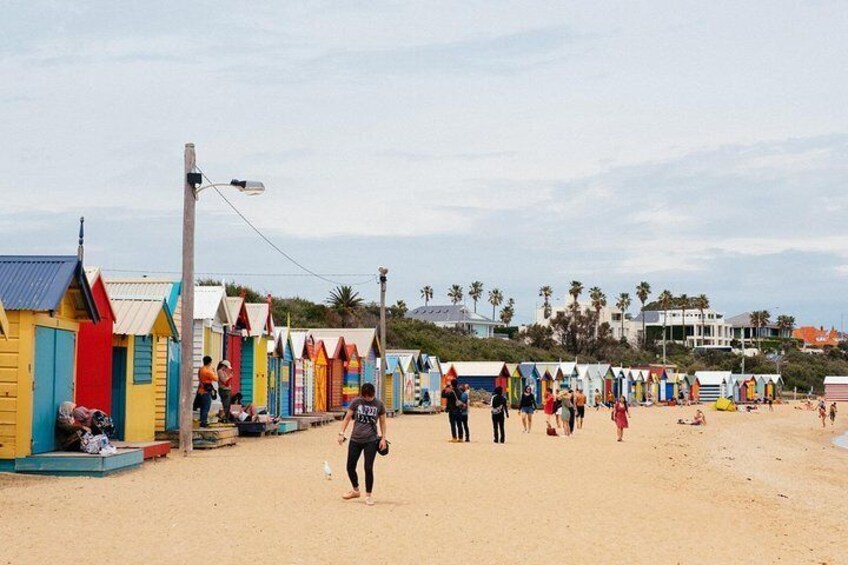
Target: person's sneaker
(369, 501)
(351, 495)
(467, 440)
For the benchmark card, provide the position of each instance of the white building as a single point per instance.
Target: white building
(609, 314)
(710, 331)
(455, 316)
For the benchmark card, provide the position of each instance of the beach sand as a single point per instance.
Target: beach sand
(758, 488)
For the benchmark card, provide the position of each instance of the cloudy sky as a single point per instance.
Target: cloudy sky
(701, 146)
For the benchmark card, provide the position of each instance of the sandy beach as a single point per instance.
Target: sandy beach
(763, 487)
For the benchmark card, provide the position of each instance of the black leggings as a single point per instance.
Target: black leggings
(498, 425)
(354, 450)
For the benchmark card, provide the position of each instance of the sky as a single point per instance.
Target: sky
(699, 146)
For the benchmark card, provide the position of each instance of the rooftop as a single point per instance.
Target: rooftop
(453, 313)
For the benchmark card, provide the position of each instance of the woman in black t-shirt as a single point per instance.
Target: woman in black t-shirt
(527, 406)
(365, 411)
(500, 411)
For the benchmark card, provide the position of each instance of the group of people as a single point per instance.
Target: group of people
(217, 383)
(82, 429)
(825, 412)
(456, 405)
(564, 411)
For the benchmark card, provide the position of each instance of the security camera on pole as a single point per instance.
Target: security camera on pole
(193, 180)
(383, 271)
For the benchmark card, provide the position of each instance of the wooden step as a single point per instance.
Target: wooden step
(75, 464)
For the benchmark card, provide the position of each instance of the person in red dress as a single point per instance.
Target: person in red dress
(548, 400)
(619, 416)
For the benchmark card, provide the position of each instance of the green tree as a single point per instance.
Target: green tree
(546, 292)
(495, 299)
(701, 302)
(666, 300)
(455, 294)
(427, 294)
(575, 290)
(507, 312)
(643, 291)
(344, 300)
(760, 319)
(475, 292)
(599, 300)
(400, 309)
(785, 324)
(683, 301)
(623, 304)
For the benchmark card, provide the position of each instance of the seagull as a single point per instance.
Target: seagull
(328, 473)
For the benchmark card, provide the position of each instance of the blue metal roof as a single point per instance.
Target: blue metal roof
(527, 370)
(39, 282)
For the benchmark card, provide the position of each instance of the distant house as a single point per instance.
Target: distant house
(713, 330)
(455, 316)
(816, 339)
(742, 327)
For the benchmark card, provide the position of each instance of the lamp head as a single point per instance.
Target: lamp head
(249, 187)
(383, 271)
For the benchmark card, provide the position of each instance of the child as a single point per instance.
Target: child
(832, 413)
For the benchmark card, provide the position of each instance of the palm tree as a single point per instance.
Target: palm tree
(475, 292)
(507, 312)
(495, 299)
(546, 292)
(427, 294)
(760, 319)
(575, 290)
(666, 300)
(344, 300)
(683, 300)
(643, 291)
(401, 308)
(701, 303)
(455, 294)
(623, 303)
(785, 324)
(599, 300)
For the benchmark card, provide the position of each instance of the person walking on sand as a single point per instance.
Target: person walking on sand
(598, 400)
(620, 415)
(822, 411)
(558, 409)
(567, 411)
(500, 411)
(579, 410)
(463, 412)
(527, 406)
(572, 418)
(366, 411)
(832, 413)
(451, 396)
(548, 406)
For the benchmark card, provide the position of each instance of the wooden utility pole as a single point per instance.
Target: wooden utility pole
(382, 376)
(187, 294)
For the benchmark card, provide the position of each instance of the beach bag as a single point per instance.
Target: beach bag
(552, 431)
(94, 444)
(497, 409)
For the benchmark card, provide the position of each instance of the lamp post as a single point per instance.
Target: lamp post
(383, 271)
(192, 188)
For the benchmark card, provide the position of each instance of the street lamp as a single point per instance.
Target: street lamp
(383, 271)
(193, 181)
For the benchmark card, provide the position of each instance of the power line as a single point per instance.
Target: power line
(275, 247)
(232, 274)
